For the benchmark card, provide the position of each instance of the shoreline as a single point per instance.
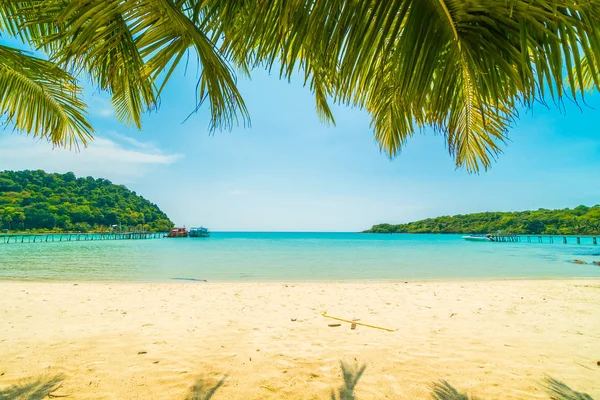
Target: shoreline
(134, 340)
(197, 281)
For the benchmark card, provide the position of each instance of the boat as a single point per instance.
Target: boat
(178, 232)
(479, 238)
(199, 232)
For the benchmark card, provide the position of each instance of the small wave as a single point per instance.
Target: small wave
(190, 279)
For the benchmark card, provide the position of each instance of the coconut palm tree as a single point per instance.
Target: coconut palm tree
(461, 67)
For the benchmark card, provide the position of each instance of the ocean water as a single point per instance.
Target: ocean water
(258, 257)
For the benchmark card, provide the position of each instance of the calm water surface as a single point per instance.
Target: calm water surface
(295, 257)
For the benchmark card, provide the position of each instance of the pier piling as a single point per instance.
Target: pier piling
(76, 237)
(579, 239)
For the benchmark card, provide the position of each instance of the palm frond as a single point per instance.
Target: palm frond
(165, 36)
(41, 99)
(589, 68)
(131, 48)
(393, 118)
(460, 66)
(8, 23)
(94, 38)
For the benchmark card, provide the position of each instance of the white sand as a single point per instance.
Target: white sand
(495, 340)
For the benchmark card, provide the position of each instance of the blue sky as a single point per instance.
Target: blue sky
(290, 172)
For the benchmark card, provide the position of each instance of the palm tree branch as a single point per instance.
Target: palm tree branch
(95, 38)
(165, 35)
(522, 50)
(41, 99)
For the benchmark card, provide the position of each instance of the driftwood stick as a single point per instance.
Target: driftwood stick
(357, 323)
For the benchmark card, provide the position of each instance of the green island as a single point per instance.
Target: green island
(36, 201)
(580, 220)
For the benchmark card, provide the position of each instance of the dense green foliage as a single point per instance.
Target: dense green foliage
(581, 220)
(36, 200)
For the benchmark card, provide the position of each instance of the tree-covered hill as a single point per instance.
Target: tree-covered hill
(581, 220)
(36, 200)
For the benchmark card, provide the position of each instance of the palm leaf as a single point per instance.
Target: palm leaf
(94, 38)
(460, 66)
(41, 99)
(131, 48)
(166, 34)
(589, 70)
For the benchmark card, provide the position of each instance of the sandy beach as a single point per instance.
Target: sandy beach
(494, 340)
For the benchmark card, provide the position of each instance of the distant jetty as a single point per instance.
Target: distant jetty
(8, 238)
(502, 238)
(546, 238)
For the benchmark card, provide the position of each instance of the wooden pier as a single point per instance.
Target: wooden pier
(75, 237)
(565, 239)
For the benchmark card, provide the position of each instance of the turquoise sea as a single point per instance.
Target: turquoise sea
(227, 256)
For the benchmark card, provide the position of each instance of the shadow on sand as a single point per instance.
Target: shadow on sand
(201, 391)
(33, 389)
(44, 388)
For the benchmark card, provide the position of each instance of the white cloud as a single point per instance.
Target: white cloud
(103, 158)
(100, 106)
(146, 146)
(103, 112)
